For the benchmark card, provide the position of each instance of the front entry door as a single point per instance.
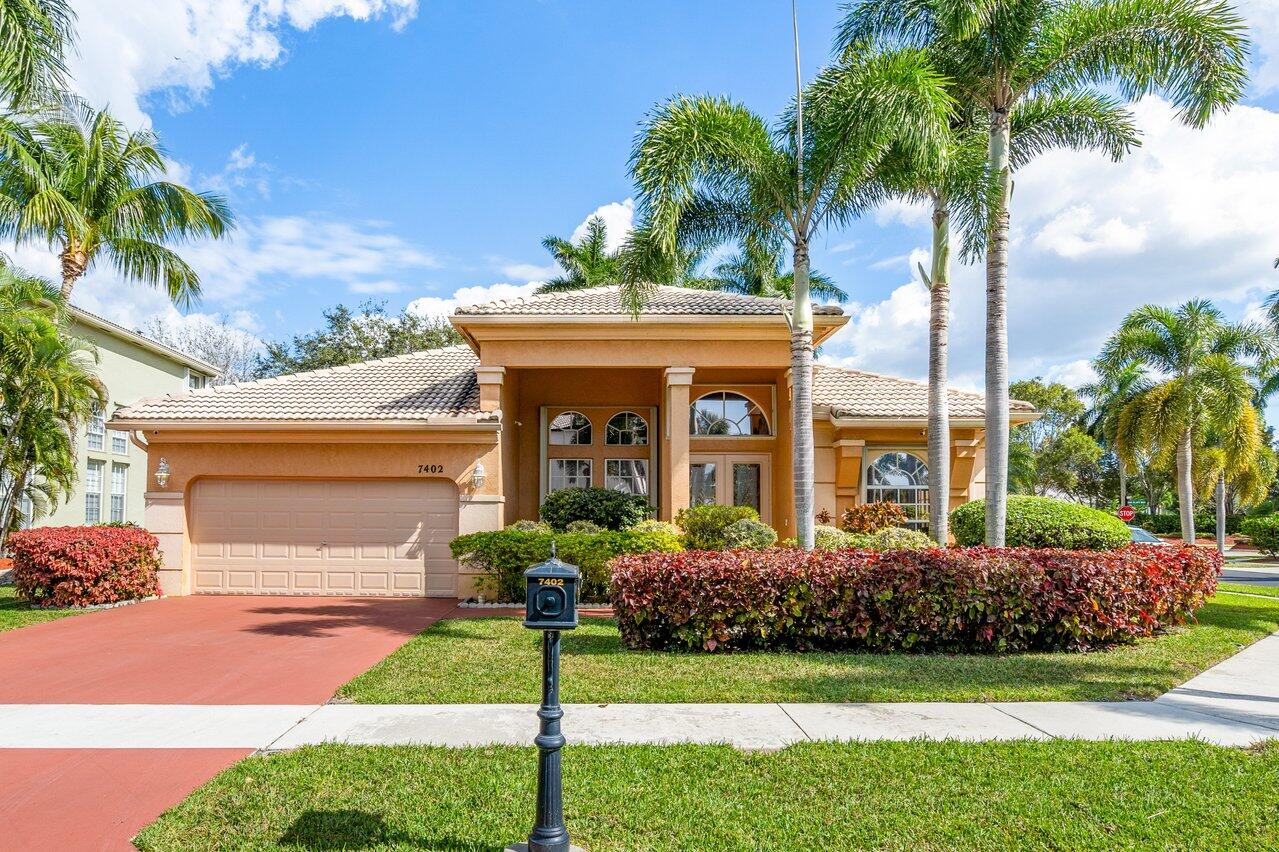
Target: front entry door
(731, 479)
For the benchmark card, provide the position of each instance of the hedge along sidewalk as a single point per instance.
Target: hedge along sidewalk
(439, 666)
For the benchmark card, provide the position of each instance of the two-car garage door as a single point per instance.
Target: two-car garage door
(324, 537)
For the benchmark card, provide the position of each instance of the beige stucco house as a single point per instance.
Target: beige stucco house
(353, 480)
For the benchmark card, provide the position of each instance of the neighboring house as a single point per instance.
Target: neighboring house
(112, 467)
(353, 480)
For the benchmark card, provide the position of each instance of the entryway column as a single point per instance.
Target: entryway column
(165, 516)
(848, 473)
(490, 381)
(679, 382)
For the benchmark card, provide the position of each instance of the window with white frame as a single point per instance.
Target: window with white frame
(96, 429)
(119, 488)
(726, 413)
(93, 492)
(571, 427)
(119, 443)
(195, 381)
(626, 429)
(900, 478)
(570, 473)
(26, 511)
(628, 475)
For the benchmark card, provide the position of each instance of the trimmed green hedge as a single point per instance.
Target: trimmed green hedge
(503, 555)
(604, 507)
(1205, 523)
(1043, 522)
(704, 526)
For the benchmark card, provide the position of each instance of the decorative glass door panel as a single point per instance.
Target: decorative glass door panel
(732, 479)
(702, 489)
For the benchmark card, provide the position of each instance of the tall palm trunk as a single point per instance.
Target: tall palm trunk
(1221, 515)
(1123, 484)
(938, 345)
(801, 362)
(1186, 487)
(74, 263)
(997, 333)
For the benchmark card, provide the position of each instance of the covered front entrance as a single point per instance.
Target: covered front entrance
(731, 479)
(324, 537)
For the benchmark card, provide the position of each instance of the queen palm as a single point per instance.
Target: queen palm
(757, 271)
(587, 263)
(1202, 368)
(34, 35)
(77, 180)
(1110, 394)
(1242, 481)
(710, 171)
(1002, 54)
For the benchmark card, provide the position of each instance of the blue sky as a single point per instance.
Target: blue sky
(407, 151)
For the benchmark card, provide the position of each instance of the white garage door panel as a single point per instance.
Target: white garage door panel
(314, 537)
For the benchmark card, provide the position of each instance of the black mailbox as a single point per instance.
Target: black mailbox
(552, 595)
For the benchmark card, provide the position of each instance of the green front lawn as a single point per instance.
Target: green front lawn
(1249, 589)
(814, 796)
(495, 660)
(15, 612)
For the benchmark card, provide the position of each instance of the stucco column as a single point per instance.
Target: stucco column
(490, 381)
(166, 519)
(848, 473)
(679, 381)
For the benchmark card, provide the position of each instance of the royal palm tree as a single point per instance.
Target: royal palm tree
(48, 389)
(710, 171)
(1004, 53)
(77, 180)
(1109, 395)
(34, 35)
(1203, 387)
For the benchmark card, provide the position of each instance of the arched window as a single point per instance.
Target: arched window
(626, 429)
(570, 428)
(726, 413)
(900, 478)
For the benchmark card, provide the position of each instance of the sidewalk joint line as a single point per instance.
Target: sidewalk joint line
(267, 748)
(1030, 725)
(787, 714)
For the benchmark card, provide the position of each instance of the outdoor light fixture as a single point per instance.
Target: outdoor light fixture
(162, 472)
(477, 476)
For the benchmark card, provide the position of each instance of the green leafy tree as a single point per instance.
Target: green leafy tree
(1205, 391)
(1058, 451)
(78, 181)
(351, 336)
(48, 388)
(709, 172)
(1004, 55)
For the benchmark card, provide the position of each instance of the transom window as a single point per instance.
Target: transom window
(626, 429)
(570, 473)
(628, 475)
(726, 413)
(571, 427)
(900, 478)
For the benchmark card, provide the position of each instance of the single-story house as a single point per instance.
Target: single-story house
(353, 480)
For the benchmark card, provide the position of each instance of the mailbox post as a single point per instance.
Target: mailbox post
(551, 606)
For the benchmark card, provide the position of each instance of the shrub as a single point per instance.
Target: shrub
(1264, 532)
(704, 526)
(752, 535)
(583, 527)
(830, 538)
(872, 517)
(84, 566)
(503, 555)
(1205, 523)
(657, 526)
(977, 599)
(531, 526)
(1042, 522)
(605, 507)
(898, 538)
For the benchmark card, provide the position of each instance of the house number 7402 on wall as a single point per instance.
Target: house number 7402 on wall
(430, 468)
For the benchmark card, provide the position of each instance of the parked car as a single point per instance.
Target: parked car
(1140, 536)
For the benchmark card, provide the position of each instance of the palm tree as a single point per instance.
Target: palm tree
(1110, 394)
(587, 263)
(1244, 481)
(757, 271)
(1003, 54)
(34, 35)
(48, 389)
(710, 171)
(1204, 389)
(77, 180)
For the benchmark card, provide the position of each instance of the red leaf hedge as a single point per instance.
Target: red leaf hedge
(958, 599)
(84, 566)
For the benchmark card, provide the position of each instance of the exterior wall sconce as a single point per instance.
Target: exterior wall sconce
(162, 473)
(477, 476)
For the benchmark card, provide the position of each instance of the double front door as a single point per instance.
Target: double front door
(731, 479)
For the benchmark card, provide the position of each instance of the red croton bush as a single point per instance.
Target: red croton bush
(84, 566)
(958, 599)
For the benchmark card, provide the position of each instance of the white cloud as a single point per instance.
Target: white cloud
(1072, 374)
(437, 306)
(1263, 17)
(242, 171)
(373, 287)
(1076, 233)
(130, 48)
(530, 271)
(618, 216)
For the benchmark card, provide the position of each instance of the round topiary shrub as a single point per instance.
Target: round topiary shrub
(704, 526)
(604, 507)
(1042, 522)
(752, 535)
(1264, 533)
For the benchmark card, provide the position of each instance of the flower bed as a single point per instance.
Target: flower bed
(973, 599)
(84, 566)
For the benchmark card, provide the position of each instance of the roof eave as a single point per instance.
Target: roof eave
(95, 321)
(485, 422)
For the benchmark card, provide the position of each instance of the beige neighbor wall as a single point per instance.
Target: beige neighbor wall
(356, 455)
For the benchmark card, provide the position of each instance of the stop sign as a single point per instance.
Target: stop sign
(1127, 513)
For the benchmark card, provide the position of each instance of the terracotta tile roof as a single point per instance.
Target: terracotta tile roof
(665, 301)
(854, 393)
(430, 384)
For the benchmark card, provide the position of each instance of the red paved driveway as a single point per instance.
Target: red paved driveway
(193, 650)
(209, 650)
